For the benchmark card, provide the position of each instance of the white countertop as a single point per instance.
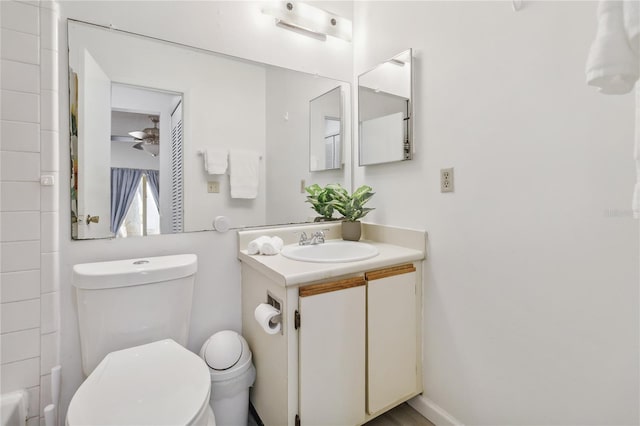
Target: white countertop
(289, 272)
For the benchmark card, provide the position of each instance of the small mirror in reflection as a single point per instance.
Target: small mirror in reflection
(325, 131)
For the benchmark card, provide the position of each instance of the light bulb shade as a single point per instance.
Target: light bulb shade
(153, 149)
(309, 19)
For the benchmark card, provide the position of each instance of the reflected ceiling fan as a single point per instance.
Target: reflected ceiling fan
(149, 138)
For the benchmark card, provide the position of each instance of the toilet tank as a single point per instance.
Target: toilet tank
(126, 303)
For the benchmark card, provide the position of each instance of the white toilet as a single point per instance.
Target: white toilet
(134, 317)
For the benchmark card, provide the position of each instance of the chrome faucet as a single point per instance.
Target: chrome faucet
(304, 240)
(316, 238)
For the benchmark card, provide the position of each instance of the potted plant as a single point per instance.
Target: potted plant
(351, 207)
(321, 200)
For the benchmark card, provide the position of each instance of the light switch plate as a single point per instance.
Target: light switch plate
(213, 187)
(446, 180)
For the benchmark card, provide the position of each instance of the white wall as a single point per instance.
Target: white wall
(288, 95)
(29, 284)
(531, 283)
(237, 28)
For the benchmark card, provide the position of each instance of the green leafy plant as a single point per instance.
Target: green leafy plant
(333, 197)
(321, 199)
(351, 207)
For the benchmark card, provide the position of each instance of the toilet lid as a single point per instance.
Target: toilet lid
(160, 383)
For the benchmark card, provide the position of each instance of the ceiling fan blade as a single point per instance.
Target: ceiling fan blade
(138, 135)
(138, 146)
(116, 138)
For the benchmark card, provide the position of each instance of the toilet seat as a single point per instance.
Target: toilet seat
(159, 383)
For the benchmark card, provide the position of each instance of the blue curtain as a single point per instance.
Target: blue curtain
(153, 177)
(124, 183)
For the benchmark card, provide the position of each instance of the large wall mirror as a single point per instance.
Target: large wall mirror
(385, 111)
(166, 137)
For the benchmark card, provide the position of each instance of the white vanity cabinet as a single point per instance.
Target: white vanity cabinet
(349, 350)
(392, 337)
(332, 359)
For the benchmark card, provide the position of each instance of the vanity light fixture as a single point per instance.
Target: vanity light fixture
(309, 20)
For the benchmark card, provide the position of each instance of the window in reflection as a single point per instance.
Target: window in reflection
(143, 216)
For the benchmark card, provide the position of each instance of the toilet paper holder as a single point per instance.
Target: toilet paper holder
(276, 303)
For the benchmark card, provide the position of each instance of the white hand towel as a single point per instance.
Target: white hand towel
(255, 246)
(635, 203)
(612, 66)
(271, 247)
(631, 13)
(215, 161)
(244, 169)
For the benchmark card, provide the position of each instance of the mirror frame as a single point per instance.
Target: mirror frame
(408, 143)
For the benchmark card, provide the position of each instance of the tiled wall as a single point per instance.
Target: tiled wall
(29, 317)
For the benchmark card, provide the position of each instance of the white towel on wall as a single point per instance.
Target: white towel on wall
(631, 16)
(612, 65)
(244, 173)
(635, 204)
(215, 161)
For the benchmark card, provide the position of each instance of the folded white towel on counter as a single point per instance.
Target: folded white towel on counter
(215, 161)
(612, 65)
(244, 173)
(255, 246)
(271, 247)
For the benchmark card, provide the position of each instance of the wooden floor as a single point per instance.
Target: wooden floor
(402, 415)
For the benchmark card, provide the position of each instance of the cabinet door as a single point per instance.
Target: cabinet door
(392, 339)
(332, 353)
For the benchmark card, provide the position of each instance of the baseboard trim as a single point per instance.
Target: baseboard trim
(432, 411)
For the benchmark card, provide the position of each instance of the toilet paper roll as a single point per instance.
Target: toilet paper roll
(264, 314)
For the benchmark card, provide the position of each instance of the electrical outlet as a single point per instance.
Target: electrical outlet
(213, 187)
(446, 180)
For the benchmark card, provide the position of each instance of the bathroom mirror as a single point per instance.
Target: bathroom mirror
(385, 111)
(325, 131)
(143, 111)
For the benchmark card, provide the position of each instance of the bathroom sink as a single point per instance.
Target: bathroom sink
(330, 251)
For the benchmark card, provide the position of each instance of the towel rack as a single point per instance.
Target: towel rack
(201, 152)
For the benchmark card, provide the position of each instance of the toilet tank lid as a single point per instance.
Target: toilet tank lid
(130, 272)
